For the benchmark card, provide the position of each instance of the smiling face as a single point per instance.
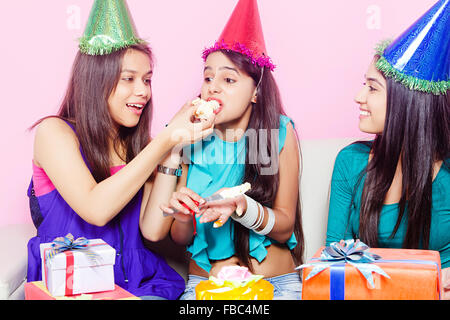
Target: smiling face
(232, 88)
(372, 100)
(132, 92)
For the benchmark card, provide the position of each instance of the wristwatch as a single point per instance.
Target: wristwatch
(170, 171)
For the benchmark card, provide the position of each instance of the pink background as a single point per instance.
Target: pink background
(321, 49)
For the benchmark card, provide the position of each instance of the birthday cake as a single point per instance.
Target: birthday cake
(234, 283)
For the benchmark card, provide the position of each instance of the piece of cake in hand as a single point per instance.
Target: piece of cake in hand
(235, 191)
(232, 193)
(205, 109)
(234, 283)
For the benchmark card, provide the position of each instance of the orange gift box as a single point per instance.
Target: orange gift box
(36, 290)
(416, 279)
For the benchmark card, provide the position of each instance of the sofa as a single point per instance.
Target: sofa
(317, 165)
(13, 261)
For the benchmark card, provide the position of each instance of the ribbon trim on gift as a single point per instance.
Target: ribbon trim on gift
(338, 254)
(67, 245)
(348, 251)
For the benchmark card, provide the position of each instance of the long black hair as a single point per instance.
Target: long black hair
(417, 133)
(265, 115)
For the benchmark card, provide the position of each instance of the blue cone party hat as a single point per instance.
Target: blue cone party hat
(420, 57)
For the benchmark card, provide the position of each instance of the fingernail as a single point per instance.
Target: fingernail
(218, 224)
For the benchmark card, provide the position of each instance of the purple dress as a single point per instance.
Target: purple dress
(137, 269)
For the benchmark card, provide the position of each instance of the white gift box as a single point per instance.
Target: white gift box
(88, 275)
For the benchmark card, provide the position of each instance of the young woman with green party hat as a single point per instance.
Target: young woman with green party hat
(394, 191)
(93, 161)
(255, 142)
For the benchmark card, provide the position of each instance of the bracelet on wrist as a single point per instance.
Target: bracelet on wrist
(170, 171)
(253, 217)
(270, 223)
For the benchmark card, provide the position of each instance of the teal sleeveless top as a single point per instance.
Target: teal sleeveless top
(343, 220)
(215, 164)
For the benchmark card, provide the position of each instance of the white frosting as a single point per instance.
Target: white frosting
(236, 191)
(205, 109)
(236, 276)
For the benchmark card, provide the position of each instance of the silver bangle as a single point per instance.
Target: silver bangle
(270, 223)
(249, 218)
(260, 217)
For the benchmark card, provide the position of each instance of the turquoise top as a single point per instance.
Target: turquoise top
(349, 163)
(216, 164)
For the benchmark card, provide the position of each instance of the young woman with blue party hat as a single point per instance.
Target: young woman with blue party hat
(394, 191)
(93, 161)
(265, 233)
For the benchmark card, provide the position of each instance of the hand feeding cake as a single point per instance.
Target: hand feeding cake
(205, 109)
(234, 283)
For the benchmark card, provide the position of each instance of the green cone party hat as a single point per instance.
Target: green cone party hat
(109, 28)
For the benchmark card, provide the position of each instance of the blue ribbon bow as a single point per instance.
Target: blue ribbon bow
(61, 244)
(347, 251)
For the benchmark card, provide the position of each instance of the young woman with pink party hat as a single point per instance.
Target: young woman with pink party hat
(254, 142)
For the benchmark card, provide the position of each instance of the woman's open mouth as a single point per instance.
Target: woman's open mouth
(136, 108)
(364, 113)
(216, 111)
